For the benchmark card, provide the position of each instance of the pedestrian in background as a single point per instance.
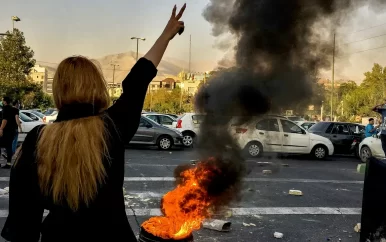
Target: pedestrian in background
(7, 130)
(15, 139)
(75, 167)
(370, 129)
(381, 108)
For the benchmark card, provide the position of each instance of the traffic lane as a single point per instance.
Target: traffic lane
(259, 194)
(267, 193)
(290, 170)
(294, 227)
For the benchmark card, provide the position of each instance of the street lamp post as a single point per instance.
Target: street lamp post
(14, 19)
(137, 38)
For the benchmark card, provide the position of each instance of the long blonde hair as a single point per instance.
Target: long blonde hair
(70, 153)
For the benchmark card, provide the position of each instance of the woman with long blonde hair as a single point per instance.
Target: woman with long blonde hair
(74, 168)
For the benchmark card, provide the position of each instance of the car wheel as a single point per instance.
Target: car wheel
(165, 143)
(188, 139)
(319, 152)
(254, 149)
(365, 153)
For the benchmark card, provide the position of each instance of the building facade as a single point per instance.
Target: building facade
(39, 74)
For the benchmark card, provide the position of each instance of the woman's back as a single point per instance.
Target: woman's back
(100, 218)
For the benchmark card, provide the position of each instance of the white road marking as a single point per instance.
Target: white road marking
(157, 179)
(268, 211)
(249, 211)
(250, 179)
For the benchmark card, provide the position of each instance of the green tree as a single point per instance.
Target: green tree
(16, 61)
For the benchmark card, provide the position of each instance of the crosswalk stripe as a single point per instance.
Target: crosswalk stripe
(249, 211)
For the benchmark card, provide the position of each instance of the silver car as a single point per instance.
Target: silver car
(152, 133)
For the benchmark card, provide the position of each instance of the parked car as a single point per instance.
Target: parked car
(345, 136)
(152, 133)
(163, 119)
(50, 111)
(295, 118)
(175, 116)
(52, 117)
(279, 135)
(371, 146)
(189, 124)
(27, 124)
(305, 124)
(34, 115)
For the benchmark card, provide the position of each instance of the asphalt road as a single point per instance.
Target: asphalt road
(328, 210)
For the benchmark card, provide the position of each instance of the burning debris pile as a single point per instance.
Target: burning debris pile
(194, 199)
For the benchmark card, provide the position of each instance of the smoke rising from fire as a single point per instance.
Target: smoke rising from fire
(281, 46)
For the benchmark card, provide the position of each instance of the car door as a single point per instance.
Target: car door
(166, 121)
(341, 138)
(145, 132)
(268, 132)
(295, 139)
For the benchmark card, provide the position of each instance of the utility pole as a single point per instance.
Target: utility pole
(113, 89)
(333, 77)
(190, 52)
(137, 38)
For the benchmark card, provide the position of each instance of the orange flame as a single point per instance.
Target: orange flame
(185, 207)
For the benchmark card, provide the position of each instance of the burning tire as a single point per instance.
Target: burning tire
(165, 143)
(254, 149)
(365, 154)
(145, 236)
(319, 152)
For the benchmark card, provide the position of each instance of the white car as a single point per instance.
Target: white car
(371, 146)
(189, 125)
(27, 124)
(305, 124)
(279, 135)
(163, 119)
(34, 115)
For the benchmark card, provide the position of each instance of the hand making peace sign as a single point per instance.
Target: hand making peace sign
(174, 25)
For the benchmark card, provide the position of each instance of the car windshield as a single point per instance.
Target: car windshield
(40, 115)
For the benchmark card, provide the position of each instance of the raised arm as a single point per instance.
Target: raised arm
(126, 111)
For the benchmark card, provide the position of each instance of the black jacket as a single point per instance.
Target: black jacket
(105, 218)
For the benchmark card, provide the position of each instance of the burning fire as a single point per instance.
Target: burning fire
(185, 207)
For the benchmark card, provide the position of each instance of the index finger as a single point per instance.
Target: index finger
(179, 15)
(174, 11)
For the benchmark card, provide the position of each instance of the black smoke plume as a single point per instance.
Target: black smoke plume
(280, 45)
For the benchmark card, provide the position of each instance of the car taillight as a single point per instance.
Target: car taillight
(179, 124)
(44, 120)
(241, 130)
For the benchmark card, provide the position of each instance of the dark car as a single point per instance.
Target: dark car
(152, 133)
(344, 136)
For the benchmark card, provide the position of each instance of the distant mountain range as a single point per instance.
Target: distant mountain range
(169, 67)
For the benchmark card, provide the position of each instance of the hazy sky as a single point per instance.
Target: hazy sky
(56, 29)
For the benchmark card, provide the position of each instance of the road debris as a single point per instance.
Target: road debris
(295, 192)
(228, 214)
(267, 172)
(278, 235)
(248, 225)
(6, 188)
(357, 228)
(218, 225)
